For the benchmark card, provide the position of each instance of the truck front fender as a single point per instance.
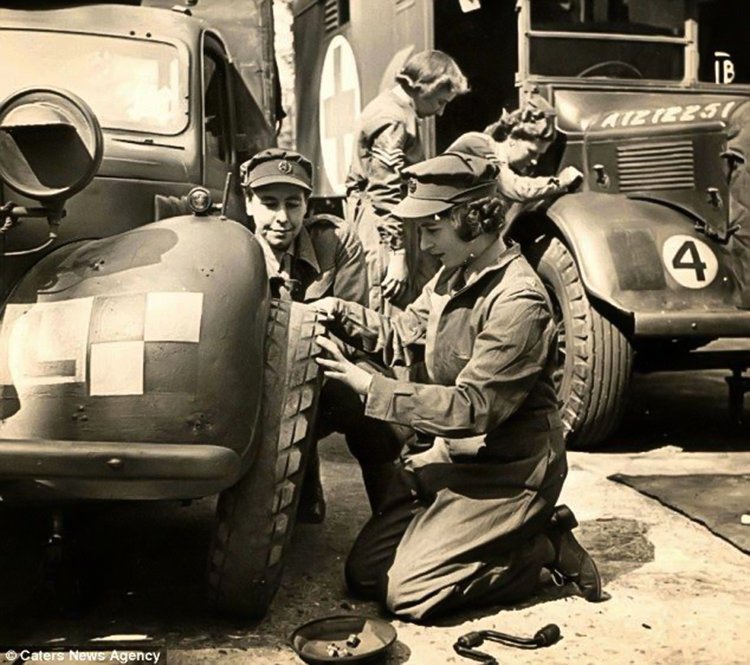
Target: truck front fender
(649, 262)
(154, 335)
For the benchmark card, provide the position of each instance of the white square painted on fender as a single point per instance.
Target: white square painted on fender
(173, 317)
(12, 314)
(63, 329)
(469, 5)
(116, 368)
(46, 345)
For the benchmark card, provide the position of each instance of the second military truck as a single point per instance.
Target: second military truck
(651, 258)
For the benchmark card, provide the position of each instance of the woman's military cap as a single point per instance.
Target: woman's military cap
(276, 165)
(442, 182)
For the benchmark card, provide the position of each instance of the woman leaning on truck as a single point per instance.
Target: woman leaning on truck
(515, 143)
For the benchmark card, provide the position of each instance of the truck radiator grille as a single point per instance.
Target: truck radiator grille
(666, 165)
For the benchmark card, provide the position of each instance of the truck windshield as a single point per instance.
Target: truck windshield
(130, 84)
(621, 39)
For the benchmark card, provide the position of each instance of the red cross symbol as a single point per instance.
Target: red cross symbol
(339, 116)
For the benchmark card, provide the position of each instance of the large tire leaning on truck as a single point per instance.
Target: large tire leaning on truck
(255, 517)
(596, 358)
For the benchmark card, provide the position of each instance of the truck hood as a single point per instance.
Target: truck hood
(593, 111)
(683, 149)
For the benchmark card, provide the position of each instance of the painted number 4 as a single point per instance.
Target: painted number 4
(688, 258)
(690, 261)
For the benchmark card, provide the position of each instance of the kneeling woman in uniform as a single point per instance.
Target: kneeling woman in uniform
(472, 520)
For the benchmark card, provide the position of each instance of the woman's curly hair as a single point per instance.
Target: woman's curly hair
(428, 72)
(528, 122)
(472, 219)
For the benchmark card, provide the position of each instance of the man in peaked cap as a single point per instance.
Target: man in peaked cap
(277, 185)
(307, 258)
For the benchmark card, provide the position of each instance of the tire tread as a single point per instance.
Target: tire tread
(601, 366)
(252, 531)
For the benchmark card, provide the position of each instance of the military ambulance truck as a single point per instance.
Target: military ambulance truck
(141, 355)
(651, 258)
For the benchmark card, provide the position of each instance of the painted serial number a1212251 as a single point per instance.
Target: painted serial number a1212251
(668, 114)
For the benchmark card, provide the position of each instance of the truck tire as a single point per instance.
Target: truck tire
(596, 358)
(255, 517)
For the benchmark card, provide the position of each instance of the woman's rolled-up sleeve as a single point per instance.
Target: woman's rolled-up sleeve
(509, 354)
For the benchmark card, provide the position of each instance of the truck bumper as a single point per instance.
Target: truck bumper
(734, 323)
(114, 470)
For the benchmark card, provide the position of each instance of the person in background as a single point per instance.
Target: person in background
(307, 258)
(515, 143)
(472, 520)
(386, 141)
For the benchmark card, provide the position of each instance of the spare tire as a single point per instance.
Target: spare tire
(255, 517)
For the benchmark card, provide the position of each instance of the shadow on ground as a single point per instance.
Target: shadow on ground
(133, 569)
(143, 569)
(689, 410)
(618, 546)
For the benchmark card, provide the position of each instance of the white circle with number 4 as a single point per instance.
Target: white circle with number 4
(690, 261)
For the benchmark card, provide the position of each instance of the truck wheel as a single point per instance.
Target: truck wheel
(254, 517)
(596, 358)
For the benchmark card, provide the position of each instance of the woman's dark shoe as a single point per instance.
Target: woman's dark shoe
(572, 562)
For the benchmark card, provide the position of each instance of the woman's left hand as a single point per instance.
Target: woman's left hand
(336, 366)
(396, 276)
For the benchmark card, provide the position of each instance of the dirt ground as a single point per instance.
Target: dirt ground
(680, 594)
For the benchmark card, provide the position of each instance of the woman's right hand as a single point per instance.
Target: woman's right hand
(570, 178)
(337, 366)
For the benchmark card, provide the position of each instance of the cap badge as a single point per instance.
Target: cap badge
(285, 167)
(412, 185)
